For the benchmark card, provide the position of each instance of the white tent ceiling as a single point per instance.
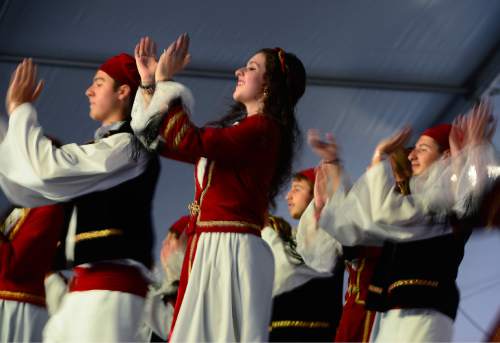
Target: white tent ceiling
(373, 66)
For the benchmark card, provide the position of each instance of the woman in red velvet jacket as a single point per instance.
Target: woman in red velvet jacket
(240, 162)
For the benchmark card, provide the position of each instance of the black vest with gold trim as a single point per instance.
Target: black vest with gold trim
(310, 312)
(419, 274)
(116, 223)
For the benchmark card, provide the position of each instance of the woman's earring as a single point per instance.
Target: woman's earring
(266, 92)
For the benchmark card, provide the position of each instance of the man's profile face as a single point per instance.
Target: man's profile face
(298, 197)
(103, 97)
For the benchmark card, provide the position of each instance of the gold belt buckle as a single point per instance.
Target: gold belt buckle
(194, 208)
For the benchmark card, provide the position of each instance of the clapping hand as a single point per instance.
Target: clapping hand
(173, 59)
(480, 124)
(320, 189)
(23, 86)
(145, 58)
(326, 149)
(391, 144)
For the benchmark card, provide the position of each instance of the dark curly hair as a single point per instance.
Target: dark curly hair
(284, 87)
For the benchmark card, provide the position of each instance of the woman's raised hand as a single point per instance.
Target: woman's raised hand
(173, 59)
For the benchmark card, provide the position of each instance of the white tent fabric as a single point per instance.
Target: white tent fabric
(373, 67)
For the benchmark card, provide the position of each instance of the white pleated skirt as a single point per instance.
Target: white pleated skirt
(228, 296)
(21, 322)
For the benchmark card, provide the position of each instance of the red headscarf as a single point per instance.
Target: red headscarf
(122, 69)
(441, 134)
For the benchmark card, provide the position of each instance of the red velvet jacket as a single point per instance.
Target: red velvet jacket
(27, 254)
(240, 166)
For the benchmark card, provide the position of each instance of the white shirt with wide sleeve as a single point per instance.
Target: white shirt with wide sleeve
(373, 212)
(33, 172)
(317, 247)
(288, 274)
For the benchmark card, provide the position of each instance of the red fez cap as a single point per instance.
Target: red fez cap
(441, 134)
(180, 225)
(309, 174)
(122, 69)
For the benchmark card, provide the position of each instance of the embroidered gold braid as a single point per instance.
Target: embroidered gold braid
(192, 249)
(20, 222)
(375, 289)
(202, 196)
(21, 296)
(355, 289)
(180, 135)
(413, 282)
(97, 234)
(211, 223)
(367, 327)
(172, 122)
(297, 324)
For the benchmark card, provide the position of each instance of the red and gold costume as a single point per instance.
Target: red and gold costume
(234, 195)
(235, 166)
(228, 198)
(356, 321)
(27, 251)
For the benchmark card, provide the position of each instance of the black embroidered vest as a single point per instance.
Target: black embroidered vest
(310, 312)
(116, 223)
(419, 274)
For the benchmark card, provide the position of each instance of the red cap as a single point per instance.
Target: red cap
(309, 174)
(180, 225)
(122, 69)
(441, 134)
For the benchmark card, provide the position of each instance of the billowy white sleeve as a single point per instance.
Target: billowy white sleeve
(33, 172)
(472, 175)
(317, 247)
(158, 315)
(373, 212)
(288, 274)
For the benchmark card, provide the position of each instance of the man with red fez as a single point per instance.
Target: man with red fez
(322, 252)
(413, 289)
(306, 303)
(109, 239)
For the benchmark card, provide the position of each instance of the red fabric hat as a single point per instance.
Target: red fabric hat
(180, 225)
(441, 134)
(122, 69)
(309, 174)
